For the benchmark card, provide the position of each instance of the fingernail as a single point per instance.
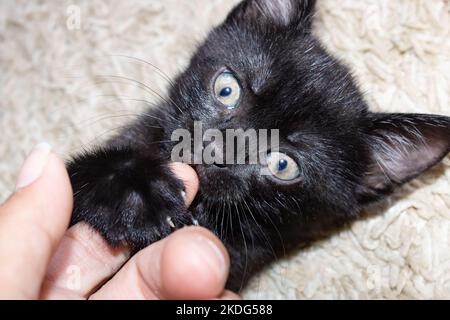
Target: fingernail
(212, 255)
(34, 166)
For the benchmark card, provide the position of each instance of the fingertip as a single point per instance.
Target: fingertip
(48, 200)
(33, 166)
(59, 181)
(189, 177)
(229, 295)
(194, 265)
(33, 220)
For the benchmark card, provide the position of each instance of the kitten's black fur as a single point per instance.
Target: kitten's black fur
(348, 156)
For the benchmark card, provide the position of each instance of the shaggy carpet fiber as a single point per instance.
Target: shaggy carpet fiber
(67, 77)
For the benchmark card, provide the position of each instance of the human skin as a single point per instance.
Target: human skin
(41, 259)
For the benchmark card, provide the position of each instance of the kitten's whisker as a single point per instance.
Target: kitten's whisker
(295, 202)
(150, 104)
(267, 215)
(97, 137)
(246, 252)
(145, 114)
(279, 201)
(219, 212)
(222, 234)
(126, 98)
(263, 233)
(145, 87)
(267, 239)
(121, 98)
(250, 230)
(229, 216)
(152, 127)
(80, 189)
(109, 117)
(160, 142)
(279, 234)
(158, 70)
(208, 216)
(224, 213)
(216, 220)
(231, 226)
(136, 83)
(228, 231)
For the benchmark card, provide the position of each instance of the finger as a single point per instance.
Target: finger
(189, 178)
(190, 264)
(32, 223)
(84, 260)
(81, 263)
(229, 295)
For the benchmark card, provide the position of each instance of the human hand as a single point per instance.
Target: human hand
(40, 258)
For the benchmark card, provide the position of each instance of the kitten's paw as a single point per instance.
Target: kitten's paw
(129, 198)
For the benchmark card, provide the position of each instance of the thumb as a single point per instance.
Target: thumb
(191, 263)
(32, 221)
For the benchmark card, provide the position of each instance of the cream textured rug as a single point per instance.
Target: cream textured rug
(55, 60)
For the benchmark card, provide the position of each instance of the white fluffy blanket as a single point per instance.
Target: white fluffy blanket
(54, 87)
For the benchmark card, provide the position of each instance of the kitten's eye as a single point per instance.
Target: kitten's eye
(227, 90)
(282, 166)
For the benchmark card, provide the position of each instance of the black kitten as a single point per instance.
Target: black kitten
(261, 69)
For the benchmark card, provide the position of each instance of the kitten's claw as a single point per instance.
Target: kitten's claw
(194, 221)
(170, 222)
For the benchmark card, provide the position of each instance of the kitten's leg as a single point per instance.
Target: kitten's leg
(128, 195)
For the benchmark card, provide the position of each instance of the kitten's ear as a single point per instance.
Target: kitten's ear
(275, 12)
(402, 146)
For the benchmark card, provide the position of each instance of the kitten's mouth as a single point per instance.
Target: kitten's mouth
(211, 175)
(220, 165)
(205, 170)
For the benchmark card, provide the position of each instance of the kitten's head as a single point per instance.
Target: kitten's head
(263, 69)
